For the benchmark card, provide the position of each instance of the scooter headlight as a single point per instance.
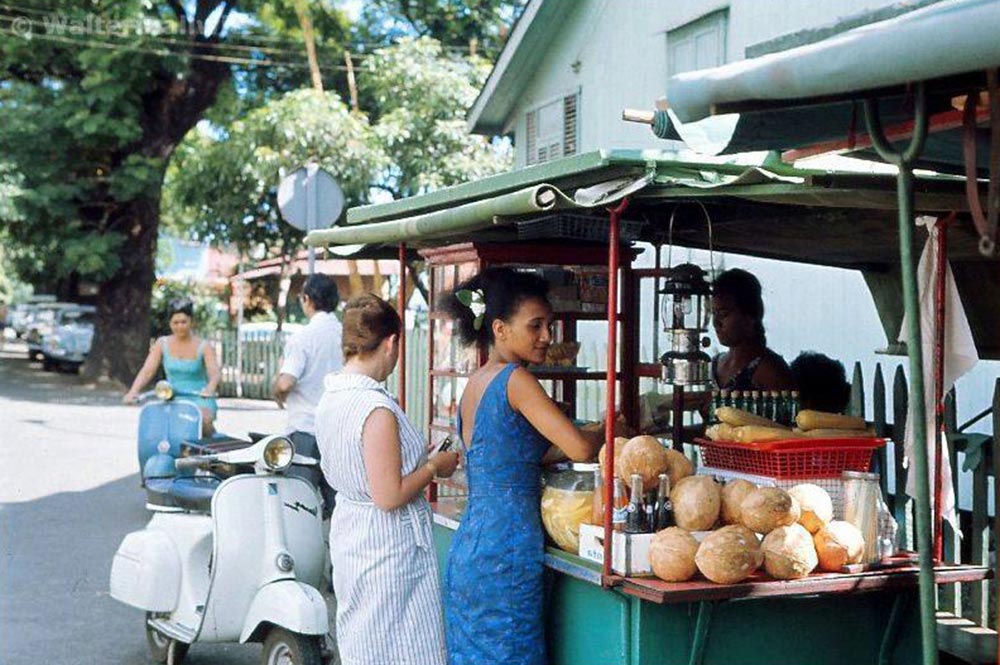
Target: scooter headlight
(163, 390)
(278, 453)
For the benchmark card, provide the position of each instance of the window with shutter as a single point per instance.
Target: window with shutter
(552, 130)
(698, 45)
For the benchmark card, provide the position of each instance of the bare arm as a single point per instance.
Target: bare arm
(147, 372)
(383, 463)
(527, 396)
(212, 367)
(282, 386)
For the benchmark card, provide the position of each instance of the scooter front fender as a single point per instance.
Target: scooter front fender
(295, 606)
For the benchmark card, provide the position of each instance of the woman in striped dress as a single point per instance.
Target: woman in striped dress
(385, 572)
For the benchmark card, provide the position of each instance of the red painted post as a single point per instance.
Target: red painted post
(612, 379)
(401, 308)
(939, 341)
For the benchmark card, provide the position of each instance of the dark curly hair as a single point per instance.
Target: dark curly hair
(745, 290)
(180, 306)
(822, 382)
(504, 290)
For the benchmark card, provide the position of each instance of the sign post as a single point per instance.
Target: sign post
(309, 198)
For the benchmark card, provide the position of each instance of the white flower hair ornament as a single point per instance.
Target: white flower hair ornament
(475, 300)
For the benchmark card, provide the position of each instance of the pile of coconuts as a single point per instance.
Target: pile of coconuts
(799, 533)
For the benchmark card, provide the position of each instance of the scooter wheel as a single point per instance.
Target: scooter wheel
(282, 647)
(164, 649)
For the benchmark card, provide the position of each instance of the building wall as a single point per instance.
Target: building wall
(615, 53)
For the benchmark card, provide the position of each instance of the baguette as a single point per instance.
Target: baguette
(826, 433)
(810, 420)
(739, 417)
(720, 432)
(752, 433)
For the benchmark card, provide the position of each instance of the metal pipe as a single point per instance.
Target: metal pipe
(904, 185)
(892, 629)
(612, 379)
(700, 639)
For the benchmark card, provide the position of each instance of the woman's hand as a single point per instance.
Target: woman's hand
(206, 393)
(444, 464)
(130, 398)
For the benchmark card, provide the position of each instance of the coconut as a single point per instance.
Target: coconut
(728, 556)
(680, 466)
(816, 506)
(696, 501)
(603, 455)
(646, 456)
(733, 493)
(767, 508)
(671, 555)
(741, 530)
(838, 544)
(789, 552)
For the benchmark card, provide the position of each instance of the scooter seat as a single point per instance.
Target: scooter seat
(194, 493)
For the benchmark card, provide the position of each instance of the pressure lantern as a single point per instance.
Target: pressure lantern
(684, 310)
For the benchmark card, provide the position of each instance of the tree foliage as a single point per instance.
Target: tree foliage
(479, 24)
(222, 185)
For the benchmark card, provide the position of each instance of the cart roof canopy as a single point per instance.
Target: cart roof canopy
(773, 211)
(810, 96)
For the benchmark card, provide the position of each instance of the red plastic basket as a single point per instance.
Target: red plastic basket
(791, 458)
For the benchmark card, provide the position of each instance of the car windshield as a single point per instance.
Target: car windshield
(78, 317)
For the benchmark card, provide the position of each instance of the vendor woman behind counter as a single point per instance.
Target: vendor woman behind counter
(738, 317)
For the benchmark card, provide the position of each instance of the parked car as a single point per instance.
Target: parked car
(69, 342)
(41, 322)
(19, 314)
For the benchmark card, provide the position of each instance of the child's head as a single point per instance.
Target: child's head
(822, 382)
(506, 309)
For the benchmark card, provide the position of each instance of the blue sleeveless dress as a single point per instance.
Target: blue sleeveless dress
(188, 376)
(493, 581)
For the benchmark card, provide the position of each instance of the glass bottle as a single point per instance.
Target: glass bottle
(726, 397)
(755, 405)
(620, 506)
(664, 509)
(635, 512)
(597, 508)
(785, 408)
(738, 401)
(793, 407)
(714, 406)
(770, 397)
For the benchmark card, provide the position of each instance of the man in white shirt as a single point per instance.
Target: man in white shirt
(310, 355)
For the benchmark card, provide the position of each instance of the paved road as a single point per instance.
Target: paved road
(69, 492)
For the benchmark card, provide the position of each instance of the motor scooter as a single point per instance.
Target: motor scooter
(243, 565)
(165, 424)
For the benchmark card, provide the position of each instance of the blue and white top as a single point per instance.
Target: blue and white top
(385, 573)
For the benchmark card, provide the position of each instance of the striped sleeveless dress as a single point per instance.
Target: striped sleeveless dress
(385, 573)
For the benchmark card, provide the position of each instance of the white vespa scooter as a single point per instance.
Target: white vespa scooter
(245, 568)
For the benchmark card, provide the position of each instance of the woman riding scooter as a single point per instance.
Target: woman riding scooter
(189, 362)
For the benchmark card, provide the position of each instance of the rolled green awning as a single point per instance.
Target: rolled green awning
(474, 216)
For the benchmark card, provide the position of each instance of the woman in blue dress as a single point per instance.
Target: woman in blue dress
(510, 427)
(189, 363)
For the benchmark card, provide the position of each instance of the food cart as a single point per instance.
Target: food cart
(587, 211)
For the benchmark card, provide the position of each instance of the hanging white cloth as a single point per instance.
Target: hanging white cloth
(960, 356)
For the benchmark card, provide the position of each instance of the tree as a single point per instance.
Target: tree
(222, 187)
(93, 107)
(480, 26)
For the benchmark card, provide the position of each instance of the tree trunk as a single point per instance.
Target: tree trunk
(121, 339)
